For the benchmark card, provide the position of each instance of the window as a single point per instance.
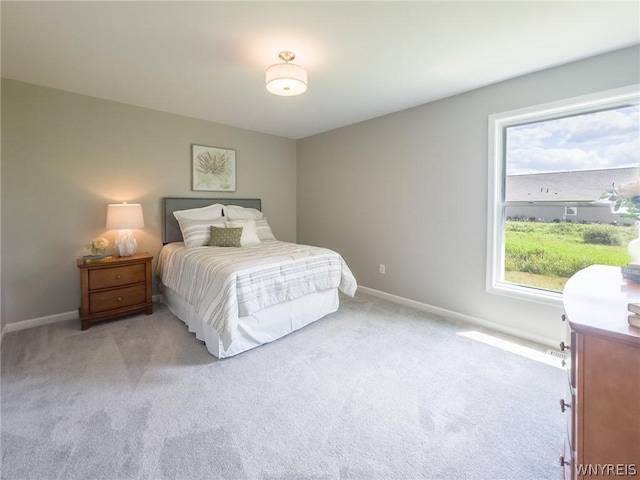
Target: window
(570, 211)
(548, 167)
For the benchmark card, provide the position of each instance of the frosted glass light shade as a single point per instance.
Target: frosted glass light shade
(124, 217)
(286, 79)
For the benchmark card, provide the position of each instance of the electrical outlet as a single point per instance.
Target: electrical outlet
(382, 268)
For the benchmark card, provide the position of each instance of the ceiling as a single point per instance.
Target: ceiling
(365, 59)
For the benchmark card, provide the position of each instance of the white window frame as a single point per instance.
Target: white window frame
(572, 213)
(496, 217)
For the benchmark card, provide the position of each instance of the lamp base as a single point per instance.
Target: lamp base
(125, 244)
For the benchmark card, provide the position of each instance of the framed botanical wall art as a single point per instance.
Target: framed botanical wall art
(213, 169)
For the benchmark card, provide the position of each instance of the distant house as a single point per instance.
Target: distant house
(582, 189)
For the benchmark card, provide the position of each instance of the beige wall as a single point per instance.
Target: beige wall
(409, 190)
(66, 156)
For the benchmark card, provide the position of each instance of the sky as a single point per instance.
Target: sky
(600, 140)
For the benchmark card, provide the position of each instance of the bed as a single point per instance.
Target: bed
(244, 288)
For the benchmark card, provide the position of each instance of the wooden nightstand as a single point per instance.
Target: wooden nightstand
(114, 288)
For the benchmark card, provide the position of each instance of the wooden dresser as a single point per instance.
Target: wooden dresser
(602, 399)
(114, 288)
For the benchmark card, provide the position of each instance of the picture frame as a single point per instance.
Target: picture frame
(213, 169)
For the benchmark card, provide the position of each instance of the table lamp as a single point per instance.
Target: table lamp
(123, 217)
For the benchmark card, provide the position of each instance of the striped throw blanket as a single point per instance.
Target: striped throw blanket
(225, 283)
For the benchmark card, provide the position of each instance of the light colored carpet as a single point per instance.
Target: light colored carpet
(374, 391)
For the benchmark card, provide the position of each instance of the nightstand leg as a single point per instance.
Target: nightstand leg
(85, 323)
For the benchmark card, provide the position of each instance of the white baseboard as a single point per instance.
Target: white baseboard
(550, 342)
(424, 307)
(58, 317)
(38, 322)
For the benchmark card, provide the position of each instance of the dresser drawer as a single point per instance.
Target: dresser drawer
(573, 365)
(113, 277)
(567, 461)
(570, 413)
(117, 298)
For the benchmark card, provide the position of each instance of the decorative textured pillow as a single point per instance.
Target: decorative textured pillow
(249, 232)
(234, 212)
(196, 233)
(225, 237)
(264, 230)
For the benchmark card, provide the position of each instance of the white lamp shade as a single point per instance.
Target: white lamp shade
(286, 79)
(124, 216)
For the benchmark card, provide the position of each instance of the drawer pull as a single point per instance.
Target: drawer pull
(119, 299)
(564, 405)
(118, 277)
(563, 363)
(564, 317)
(564, 347)
(563, 462)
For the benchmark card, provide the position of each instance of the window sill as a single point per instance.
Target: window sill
(553, 299)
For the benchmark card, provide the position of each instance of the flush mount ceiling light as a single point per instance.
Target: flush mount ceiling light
(286, 79)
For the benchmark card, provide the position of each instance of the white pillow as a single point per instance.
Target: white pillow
(196, 233)
(202, 213)
(234, 212)
(264, 230)
(249, 232)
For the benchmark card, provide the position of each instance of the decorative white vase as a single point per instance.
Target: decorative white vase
(634, 250)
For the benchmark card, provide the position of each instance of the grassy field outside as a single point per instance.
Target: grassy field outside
(545, 255)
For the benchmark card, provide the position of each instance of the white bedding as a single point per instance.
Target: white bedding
(225, 284)
(262, 327)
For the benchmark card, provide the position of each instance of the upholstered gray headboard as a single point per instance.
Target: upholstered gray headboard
(170, 228)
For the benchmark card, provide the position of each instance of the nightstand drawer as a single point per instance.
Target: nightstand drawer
(113, 277)
(117, 298)
(115, 287)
